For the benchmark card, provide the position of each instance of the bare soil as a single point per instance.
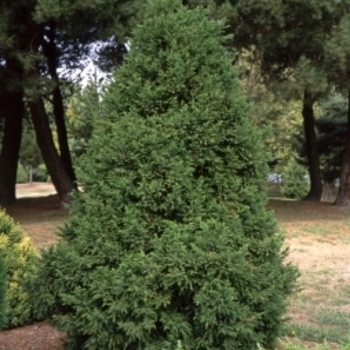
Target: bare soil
(35, 189)
(38, 210)
(317, 234)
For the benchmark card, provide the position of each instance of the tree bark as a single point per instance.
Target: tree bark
(60, 179)
(315, 192)
(13, 109)
(52, 159)
(50, 52)
(343, 198)
(30, 174)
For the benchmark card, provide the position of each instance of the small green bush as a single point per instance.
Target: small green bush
(295, 183)
(22, 176)
(2, 293)
(170, 240)
(20, 260)
(41, 174)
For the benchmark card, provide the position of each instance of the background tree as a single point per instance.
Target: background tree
(36, 40)
(12, 110)
(30, 155)
(22, 53)
(338, 54)
(83, 107)
(295, 182)
(271, 111)
(173, 213)
(51, 52)
(290, 38)
(331, 128)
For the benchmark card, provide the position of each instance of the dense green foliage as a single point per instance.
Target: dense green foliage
(20, 259)
(302, 50)
(30, 155)
(295, 183)
(332, 134)
(170, 239)
(331, 126)
(297, 50)
(32, 167)
(3, 284)
(22, 176)
(82, 109)
(42, 44)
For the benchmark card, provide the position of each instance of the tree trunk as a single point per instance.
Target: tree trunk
(13, 108)
(30, 174)
(62, 134)
(315, 192)
(60, 179)
(343, 198)
(50, 52)
(53, 162)
(329, 192)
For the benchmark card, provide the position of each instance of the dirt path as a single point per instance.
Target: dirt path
(36, 189)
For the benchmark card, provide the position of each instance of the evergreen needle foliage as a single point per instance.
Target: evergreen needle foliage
(22, 176)
(20, 260)
(2, 293)
(170, 240)
(295, 183)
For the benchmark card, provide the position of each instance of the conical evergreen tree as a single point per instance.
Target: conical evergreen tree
(170, 239)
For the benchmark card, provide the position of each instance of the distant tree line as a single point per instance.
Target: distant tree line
(293, 53)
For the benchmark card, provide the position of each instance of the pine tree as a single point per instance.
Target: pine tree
(37, 41)
(331, 130)
(303, 50)
(170, 240)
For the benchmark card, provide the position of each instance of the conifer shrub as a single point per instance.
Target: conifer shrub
(20, 260)
(2, 293)
(295, 183)
(170, 244)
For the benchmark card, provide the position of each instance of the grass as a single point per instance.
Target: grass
(302, 346)
(318, 236)
(316, 333)
(331, 318)
(318, 230)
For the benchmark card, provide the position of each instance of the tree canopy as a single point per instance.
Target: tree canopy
(37, 40)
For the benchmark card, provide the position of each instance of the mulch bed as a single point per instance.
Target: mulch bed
(38, 336)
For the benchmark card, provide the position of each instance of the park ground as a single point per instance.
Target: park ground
(317, 235)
